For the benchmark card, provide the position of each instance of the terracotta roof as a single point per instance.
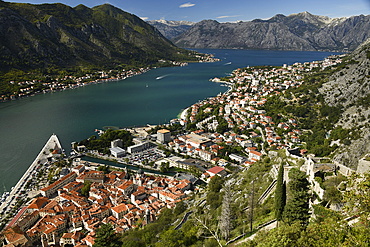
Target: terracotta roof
(58, 181)
(67, 235)
(255, 152)
(215, 169)
(120, 208)
(15, 236)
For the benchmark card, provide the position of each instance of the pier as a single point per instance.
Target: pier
(52, 144)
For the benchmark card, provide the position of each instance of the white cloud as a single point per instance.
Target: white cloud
(186, 5)
(144, 18)
(227, 16)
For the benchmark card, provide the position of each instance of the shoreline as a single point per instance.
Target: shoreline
(79, 85)
(122, 75)
(183, 113)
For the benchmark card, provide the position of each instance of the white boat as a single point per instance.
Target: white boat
(161, 77)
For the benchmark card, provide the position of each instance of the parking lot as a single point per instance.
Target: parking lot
(144, 157)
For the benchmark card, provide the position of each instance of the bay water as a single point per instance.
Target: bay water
(154, 97)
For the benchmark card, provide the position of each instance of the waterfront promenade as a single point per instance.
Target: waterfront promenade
(46, 152)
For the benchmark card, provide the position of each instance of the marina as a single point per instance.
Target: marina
(51, 149)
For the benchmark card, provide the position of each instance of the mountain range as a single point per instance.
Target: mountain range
(46, 35)
(56, 35)
(171, 29)
(303, 31)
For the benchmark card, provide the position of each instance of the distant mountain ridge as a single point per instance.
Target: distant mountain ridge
(171, 29)
(303, 31)
(39, 36)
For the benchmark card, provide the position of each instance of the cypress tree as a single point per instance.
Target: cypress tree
(297, 206)
(280, 194)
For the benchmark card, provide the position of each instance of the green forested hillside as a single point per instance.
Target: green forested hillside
(56, 35)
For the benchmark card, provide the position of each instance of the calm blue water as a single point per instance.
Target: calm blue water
(26, 124)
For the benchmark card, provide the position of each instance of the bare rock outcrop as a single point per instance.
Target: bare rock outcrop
(350, 88)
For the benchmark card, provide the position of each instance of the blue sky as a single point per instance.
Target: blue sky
(225, 10)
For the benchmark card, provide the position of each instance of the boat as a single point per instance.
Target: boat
(161, 77)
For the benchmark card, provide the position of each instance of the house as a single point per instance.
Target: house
(254, 155)
(117, 152)
(138, 147)
(70, 238)
(169, 196)
(163, 136)
(216, 170)
(37, 204)
(205, 155)
(54, 187)
(195, 140)
(189, 177)
(28, 220)
(92, 176)
(120, 210)
(79, 168)
(237, 158)
(14, 236)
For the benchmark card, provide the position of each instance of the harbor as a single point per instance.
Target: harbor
(35, 178)
(21, 190)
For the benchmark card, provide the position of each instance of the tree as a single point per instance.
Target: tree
(296, 209)
(215, 184)
(106, 237)
(357, 199)
(222, 126)
(332, 195)
(170, 238)
(225, 219)
(280, 194)
(165, 167)
(86, 188)
(180, 208)
(104, 168)
(283, 236)
(214, 198)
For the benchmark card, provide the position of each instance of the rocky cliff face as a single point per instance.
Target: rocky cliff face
(350, 88)
(38, 36)
(302, 31)
(171, 29)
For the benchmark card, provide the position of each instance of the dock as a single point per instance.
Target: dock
(52, 144)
